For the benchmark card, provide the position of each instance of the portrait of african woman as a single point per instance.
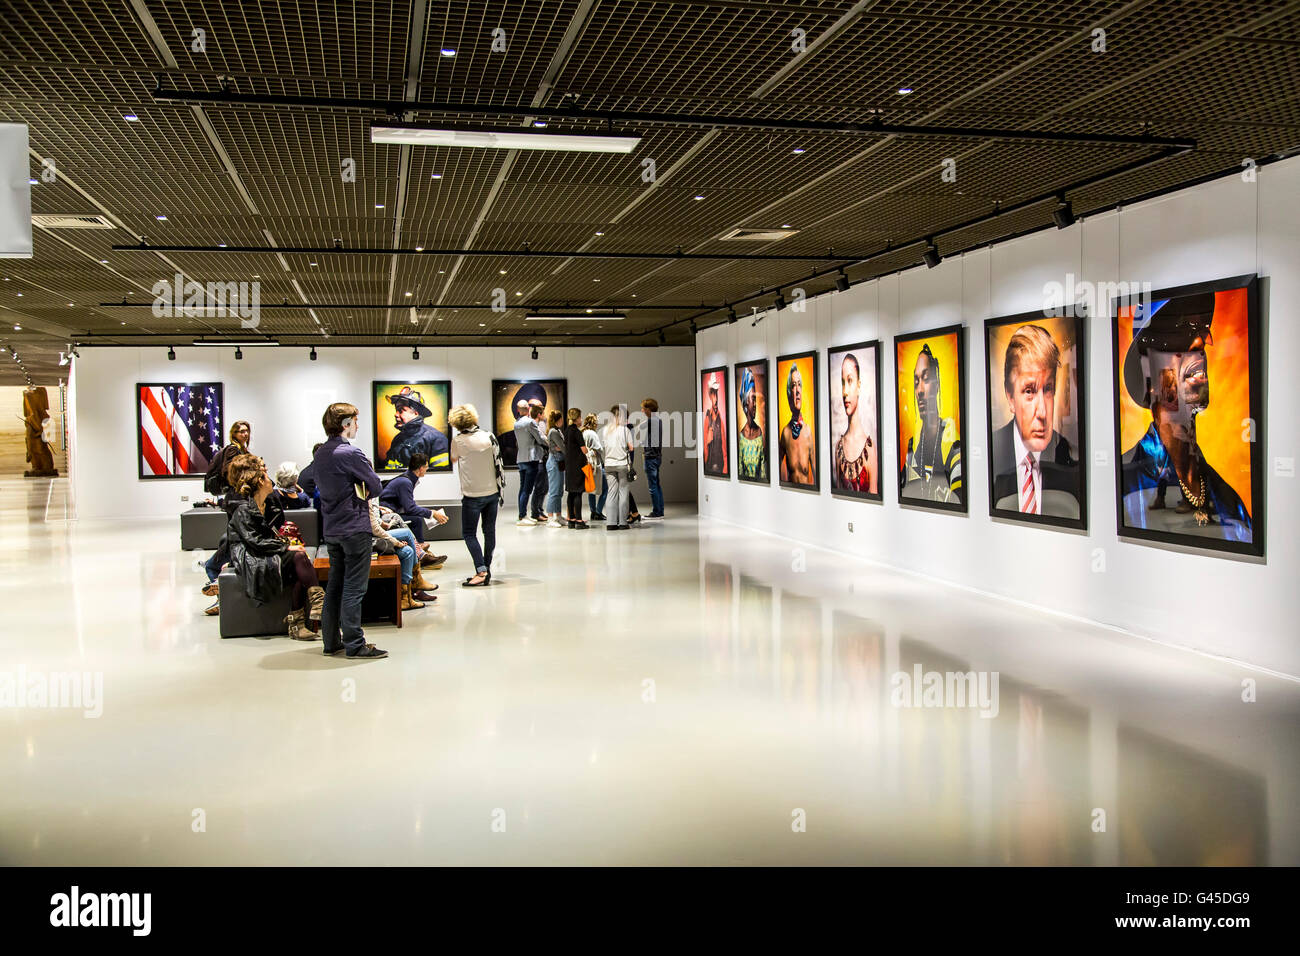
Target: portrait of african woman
(853, 384)
(751, 421)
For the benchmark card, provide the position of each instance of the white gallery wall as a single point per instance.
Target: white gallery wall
(283, 395)
(1242, 608)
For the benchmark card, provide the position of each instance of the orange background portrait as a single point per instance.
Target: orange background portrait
(807, 373)
(1061, 329)
(433, 394)
(503, 412)
(951, 376)
(1219, 428)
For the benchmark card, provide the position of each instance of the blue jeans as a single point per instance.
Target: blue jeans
(471, 510)
(652, 479)
(527, 481)
(598, 502)
(554, 483)
(406, 555)
(349, 578)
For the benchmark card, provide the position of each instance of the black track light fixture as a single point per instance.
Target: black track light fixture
(663, 339)
(1063, 214)
(415, 353)
(239, 353)
(695, 329)
(780, 301)
(731, 315)
(931, 254)
(841, 282)
(312, 354)
(171, 354)
(534, 353)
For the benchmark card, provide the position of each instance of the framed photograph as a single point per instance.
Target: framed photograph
(178, 428)
(853, 414)
(751, 422)
(930, 379)
(796, 418)
(714, 427)
(1189, 416)
(410, 418)
(1035, 413)
(510, 401)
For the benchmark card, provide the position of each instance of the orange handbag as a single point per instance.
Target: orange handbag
(588, 479)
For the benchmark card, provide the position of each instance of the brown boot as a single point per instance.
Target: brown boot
(301, 632)
(431, 560)
(295, 617)
(409, 603)
(418, 582)
(315, 605)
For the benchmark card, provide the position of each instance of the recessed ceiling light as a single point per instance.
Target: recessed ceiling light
(448, 51)
(379, 205)
(102, 262)
(785, 225)
(600, 233)
(442, 272)
(161, 218)
(419, 248)
(436, 176)
(595, 280)
(221, 245)
(31, 182)
(589, 311)
(313, 263)
(904, 90)
(697, 198)
(20, 295)
(130, 117)
(797, 150)
(482, 325)
(540, 124)
(70, 305)
(518, 293)
(408, 295)
(18, 328)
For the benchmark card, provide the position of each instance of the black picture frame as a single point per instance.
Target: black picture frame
(954, 507)
(442, 425)
(766, 416)
(505, 435)
(1078, 314)
(874, 347)
(810, 394)
(139, 429)
(725, 474)
(1254, 350)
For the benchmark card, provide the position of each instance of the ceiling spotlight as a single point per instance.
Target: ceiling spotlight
(904, 90)
(415, 354)
(313, 264)
(221, 245)
(130, 117)
(312, 354)
(1063, 214)
(731, 315)
(239, 353)
(379, 205)
(419, 248)
(841, 282)
(161, 218)
(695, 329)
(448, 51)
(31, 182)
(171, 354)
(698, 198)
(931, 255)
(436, 176)
(540, 124)
(797, 150)
(780, 301)
(534, 353)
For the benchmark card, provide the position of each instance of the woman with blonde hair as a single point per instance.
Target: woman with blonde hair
(595, 458)
(477, 458)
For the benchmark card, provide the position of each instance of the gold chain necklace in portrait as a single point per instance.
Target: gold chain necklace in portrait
(1199, 512)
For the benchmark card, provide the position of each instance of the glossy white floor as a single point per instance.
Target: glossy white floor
(673, 694)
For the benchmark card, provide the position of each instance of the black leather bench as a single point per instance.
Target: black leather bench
(202, 528)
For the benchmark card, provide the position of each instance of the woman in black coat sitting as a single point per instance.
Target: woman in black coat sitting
(265, 562)
(575, 456)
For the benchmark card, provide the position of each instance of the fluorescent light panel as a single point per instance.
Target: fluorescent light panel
(412, 135)
(575, 317)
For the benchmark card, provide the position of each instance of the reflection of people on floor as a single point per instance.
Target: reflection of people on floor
(1033, 469)
(932, 467)
(1166, 370)
(796, 442)
(856, 465)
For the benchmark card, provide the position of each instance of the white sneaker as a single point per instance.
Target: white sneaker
(555, 523)
(525, 523)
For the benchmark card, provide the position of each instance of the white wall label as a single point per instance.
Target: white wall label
(976, 452)
(1101, 459)
(1283, 467)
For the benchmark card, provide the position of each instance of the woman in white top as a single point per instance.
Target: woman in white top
(478, 460)
(595, 458)
(617, 444)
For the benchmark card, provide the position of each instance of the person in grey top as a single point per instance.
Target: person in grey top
(530, 450)
(554, 467)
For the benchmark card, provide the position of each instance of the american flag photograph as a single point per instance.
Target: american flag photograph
(180, 428)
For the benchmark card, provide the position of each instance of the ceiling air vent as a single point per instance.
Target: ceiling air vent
(757, 235)
(71, 222)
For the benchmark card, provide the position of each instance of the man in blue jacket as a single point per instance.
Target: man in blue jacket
(346, 481)
(399, 494)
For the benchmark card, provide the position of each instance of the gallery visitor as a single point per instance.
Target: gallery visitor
(652, 454)
(477, 458)
(530, 448)
(575, 478)
(618, 443)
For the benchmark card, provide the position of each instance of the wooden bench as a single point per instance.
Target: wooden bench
(383, 567)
